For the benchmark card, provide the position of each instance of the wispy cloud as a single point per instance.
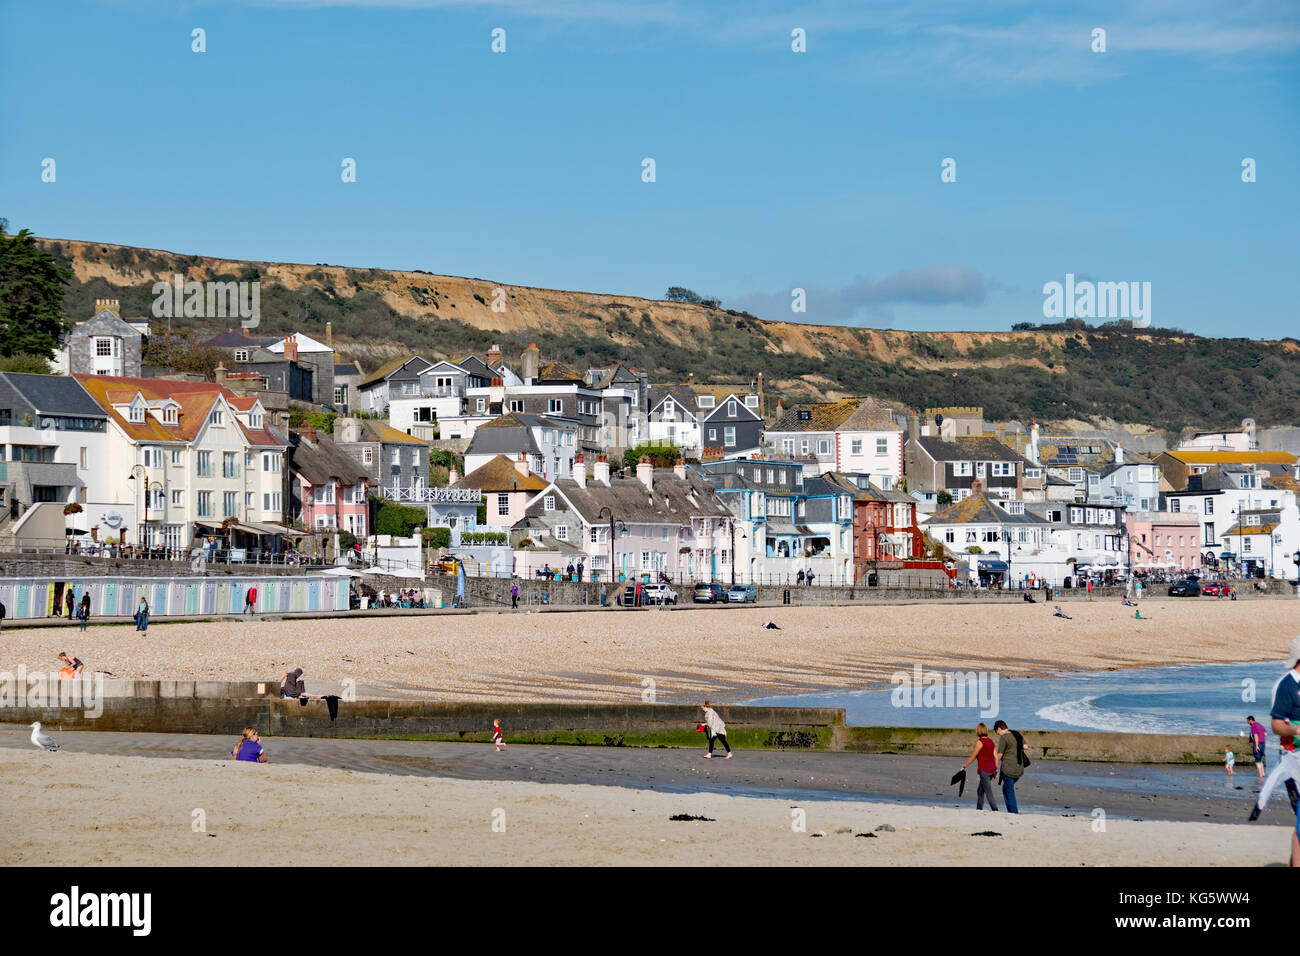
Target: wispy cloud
(865, 299)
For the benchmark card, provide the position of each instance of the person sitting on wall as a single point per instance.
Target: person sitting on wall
(292, 686)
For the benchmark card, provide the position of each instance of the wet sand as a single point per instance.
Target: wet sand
(722, 653)
(140, 799)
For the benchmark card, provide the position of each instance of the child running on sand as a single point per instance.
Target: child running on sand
(1228, 760)
(496, 735)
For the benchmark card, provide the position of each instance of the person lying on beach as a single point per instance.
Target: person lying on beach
(249, 747)
(1059, 613)
(1137, 615)
(71, 665)
(293, 686)
(771, 626)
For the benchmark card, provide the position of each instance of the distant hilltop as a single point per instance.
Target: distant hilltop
(1160, 379)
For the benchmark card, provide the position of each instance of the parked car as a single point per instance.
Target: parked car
(1185, 588)
(709, 594)
(658, 594)
(740, 593)
(1216, 589)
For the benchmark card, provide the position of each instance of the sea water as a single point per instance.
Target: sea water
(1210, 699)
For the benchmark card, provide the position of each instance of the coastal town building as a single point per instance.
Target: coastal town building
(851, 435)
(329, 488)
(396, 463)
(105, 344)
(549, 444)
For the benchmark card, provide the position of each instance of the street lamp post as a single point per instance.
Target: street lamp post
(155, 486)
(602, 511)
(144, 474)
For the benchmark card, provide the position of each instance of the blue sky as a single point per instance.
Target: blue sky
(774, 169)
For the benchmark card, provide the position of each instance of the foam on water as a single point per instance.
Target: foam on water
(1085, 714)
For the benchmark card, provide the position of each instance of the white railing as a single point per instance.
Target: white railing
(435, 494)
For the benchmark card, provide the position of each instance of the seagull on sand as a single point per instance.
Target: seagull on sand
(44, 741)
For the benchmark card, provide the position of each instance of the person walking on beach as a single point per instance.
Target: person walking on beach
(1257, 737)
(514, 596)
(1011, 762)
(496, 735)
(985, 757)
(1285, 716)
(250, 600)
(142, 615)
(1229, 760)
(715, 730)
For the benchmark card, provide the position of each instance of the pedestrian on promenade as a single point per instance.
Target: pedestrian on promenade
(1089, 589)
(984, 755)
(142, 615)
(604, 595)
(83, 611)
(496, 735)
(799, 578)
(1257, 737)
(514, 596)
(809, 577)
(250, 600)
(715, 730)
(582, 569)
(1012, 761)
(70, 601)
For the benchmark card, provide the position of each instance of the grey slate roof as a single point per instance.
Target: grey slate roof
(972, 448)
(48, 395)
(323, 461)
(674, 500)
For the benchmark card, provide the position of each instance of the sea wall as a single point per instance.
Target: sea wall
(203, 708)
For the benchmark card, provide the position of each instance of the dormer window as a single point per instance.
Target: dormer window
(241, 355)
(255, 420)
(136, 413)
(706, 401)
(169, 415)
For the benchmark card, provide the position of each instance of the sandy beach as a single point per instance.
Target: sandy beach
(165, 810)
(605, 655)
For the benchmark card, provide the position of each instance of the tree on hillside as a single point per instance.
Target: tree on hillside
(31, 296)
(182, 353)
(677, 293)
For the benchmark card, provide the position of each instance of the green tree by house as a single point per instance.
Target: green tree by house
(31, 296)
(660, 455)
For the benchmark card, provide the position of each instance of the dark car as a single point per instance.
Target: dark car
(709, 594)
(1185, 588)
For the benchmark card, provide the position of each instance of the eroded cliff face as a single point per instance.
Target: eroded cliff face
(379, 313)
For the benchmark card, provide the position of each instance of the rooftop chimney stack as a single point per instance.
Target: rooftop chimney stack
(113, 305)
(600, 472)
(452, 475)
(521, 464)
(645, 473)
(529, 362)
(494, 356)
(679, 468)
(329, 335)
(291, 348)
(580, 471)
(220, 373)
(1033, 444)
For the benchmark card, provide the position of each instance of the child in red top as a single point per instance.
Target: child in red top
(496, 735)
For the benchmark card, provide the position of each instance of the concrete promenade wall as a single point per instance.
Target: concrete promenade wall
(203, 708)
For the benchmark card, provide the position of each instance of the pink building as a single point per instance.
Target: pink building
(507, 488)
(329, 486)
(1165, 540)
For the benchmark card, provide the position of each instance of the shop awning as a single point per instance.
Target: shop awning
(992, 564)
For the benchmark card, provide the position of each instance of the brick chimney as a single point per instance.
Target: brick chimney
(291, 348)
(113, 305)
(600, 472)
(645, 473)
(976, 486)
(220, 374)
(494, 356)
(679, 468)
(309, 433)
(580, 471)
